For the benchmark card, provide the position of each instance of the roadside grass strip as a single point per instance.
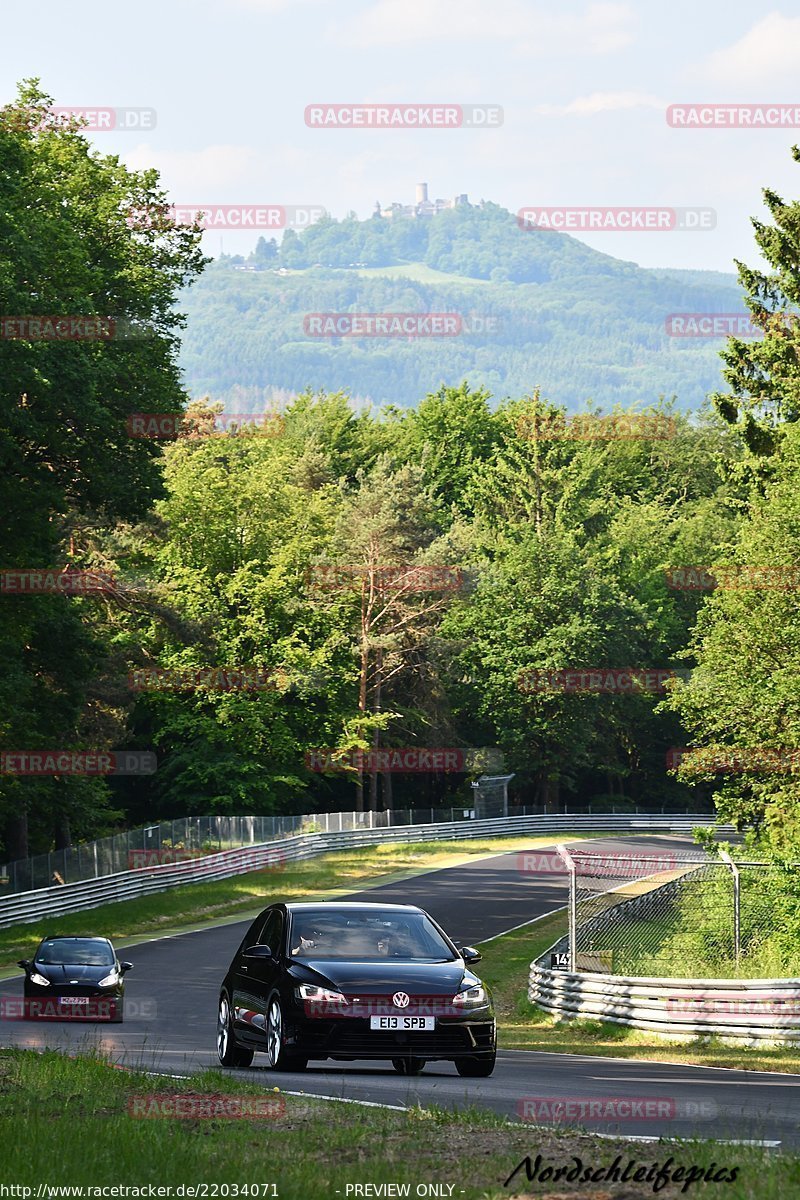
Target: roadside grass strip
(89, 1126)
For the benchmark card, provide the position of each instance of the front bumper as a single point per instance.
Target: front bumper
(81, 1004)
(351, 1038)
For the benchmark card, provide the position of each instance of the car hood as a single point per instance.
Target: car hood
(380, 978)
(64, 973)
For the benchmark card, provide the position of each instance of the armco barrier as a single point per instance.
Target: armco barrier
(23, 907)
(753, 1010)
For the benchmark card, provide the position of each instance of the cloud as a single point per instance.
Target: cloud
(600, 28)
(200, 176)
(768, 53)
(272, 6)
(600, 102)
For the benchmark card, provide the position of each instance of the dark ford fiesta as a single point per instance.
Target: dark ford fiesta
(354, 981)
(75, 977)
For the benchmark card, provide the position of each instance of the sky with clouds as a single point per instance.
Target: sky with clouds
(584, 86)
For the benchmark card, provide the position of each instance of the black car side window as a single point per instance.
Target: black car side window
(271, 934)
(251, 937)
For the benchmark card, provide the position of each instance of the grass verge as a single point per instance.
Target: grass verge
(80, 1130)
(525, 1026)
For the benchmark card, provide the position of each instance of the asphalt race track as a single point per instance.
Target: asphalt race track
(171, 1002)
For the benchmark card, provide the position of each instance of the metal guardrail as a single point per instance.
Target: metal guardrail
(24, 907)
(755, 1010)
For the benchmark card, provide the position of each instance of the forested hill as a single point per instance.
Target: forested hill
(546, 310)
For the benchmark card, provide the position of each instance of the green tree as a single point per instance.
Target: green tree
(449, 434)
(384, 529)
(763, 374)
(68, 250)
(744, 694)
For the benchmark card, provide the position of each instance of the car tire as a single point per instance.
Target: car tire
(476, 1068)
(118, 1014)
(229, 1054)
(278, 1057)
(408, 1066)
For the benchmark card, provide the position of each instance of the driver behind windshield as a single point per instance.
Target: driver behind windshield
(75, 953)
(305, 937)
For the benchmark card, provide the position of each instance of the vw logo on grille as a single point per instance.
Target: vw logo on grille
(400, 1000)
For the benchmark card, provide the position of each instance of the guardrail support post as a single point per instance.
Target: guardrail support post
(567, 858)
(737, 930)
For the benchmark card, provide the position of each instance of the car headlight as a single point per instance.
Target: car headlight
(310, 991)
(474, 997)
(108, 980)
(39, 979)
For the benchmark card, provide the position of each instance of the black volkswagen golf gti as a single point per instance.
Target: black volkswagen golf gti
(354, 981)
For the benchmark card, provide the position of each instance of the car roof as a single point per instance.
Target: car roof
(349, 906)
(74, 937)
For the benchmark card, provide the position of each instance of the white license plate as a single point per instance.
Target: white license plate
(73, 999)
(424, 1023)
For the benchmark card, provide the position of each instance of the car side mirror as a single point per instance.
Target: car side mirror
(25, 963)
(470, 955)
(259, 952)
(125, 966)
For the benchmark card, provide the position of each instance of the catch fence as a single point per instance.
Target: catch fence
(666, 913)
(191, 837)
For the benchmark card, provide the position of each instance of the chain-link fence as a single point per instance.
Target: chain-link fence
(187, 837)
(679, 915)
(191, 837)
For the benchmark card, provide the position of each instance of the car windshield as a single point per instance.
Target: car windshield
(367, 936)
(75, 952)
